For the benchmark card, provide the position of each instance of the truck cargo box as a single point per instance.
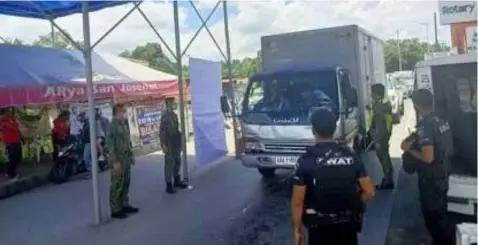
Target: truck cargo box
(452, 80)
(348, 46)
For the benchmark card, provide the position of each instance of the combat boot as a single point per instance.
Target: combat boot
(119, 215)
(179, 184)
(170, 188)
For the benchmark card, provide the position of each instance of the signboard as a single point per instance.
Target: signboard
(105, 108)
(457, 11)
(424, 78)
(148, 119)
(133, 126)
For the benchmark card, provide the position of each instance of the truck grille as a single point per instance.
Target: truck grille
(285, 148)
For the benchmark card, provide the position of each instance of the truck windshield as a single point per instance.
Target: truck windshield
(290, 97)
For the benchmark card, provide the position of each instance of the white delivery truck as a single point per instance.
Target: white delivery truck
(452, 79)
(333, 68)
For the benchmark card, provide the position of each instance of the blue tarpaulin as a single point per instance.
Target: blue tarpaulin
(208, 121)
(51, 9)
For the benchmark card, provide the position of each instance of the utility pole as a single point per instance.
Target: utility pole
(428, 40)
(399, 52)
(436, 31)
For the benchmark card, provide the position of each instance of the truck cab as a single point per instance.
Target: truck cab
(452, 80)
(276, 108)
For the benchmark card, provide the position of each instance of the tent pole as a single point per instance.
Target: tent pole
(52, 35)
(229, 74)
(181, 91)
(91, 110)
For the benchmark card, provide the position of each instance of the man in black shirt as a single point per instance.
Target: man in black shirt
(430, 149)
(330, 188)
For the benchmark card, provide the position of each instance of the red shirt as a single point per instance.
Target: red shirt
(61, 128)
(10, 129)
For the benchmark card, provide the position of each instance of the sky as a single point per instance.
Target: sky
(248, 21)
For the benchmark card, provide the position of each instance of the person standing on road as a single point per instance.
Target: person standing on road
(330, 189)
(170, 139)
(75, 125)
(60, 132)
(431, 148)
(12, 138)
(381, 129)
(121, 158)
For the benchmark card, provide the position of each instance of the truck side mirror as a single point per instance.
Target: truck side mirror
(352, 100)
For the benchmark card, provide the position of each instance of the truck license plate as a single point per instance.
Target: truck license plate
(286, 160)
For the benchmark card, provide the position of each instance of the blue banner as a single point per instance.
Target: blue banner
(149, 118)
(208, 121)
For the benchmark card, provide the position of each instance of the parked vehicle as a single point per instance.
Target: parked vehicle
(452, 79)
(68, 162)
(395, 97)
(332, 68)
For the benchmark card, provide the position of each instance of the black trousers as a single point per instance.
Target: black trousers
(342, 234)
(433, 200)
(14, 154)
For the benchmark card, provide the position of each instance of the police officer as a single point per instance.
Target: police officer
(170, 139)
(121, 158)
(381, 129)
(330, 188)
(431, 148)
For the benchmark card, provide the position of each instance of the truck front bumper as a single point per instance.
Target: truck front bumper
(269, 161)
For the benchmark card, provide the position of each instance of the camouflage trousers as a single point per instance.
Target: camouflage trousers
(382, 149)
(119, 189)
(172, 164)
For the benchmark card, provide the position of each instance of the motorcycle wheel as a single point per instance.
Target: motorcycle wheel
(61, 171)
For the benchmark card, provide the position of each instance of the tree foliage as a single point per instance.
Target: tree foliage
(412, 51)
(57, 40)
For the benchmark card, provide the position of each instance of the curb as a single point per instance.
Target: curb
(33, 181)
(23, 185)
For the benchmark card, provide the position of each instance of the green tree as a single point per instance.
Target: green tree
(412, 51)
(14, 41)
(153, 54)
(58, 40)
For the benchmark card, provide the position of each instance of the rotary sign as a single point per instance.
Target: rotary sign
(457, 11)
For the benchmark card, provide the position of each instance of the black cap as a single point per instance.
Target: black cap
(323, 122)
(423, 97)
(378, 89)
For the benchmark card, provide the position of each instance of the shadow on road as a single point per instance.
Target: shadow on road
(406, 222)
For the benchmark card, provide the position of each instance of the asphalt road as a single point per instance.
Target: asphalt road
(229, 205)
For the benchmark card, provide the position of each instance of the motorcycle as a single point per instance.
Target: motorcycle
(68, 162)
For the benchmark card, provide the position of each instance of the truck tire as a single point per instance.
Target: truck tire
(267, 172)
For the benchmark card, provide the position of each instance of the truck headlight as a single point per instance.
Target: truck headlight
(253, 146)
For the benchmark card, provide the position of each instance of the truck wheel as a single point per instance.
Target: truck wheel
(267, 172)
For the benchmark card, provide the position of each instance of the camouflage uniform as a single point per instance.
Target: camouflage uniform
(381, 130)
(119, 148)
(170, 137)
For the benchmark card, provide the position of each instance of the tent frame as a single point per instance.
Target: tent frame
(177, 55)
